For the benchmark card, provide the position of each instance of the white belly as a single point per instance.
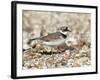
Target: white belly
(54, 42)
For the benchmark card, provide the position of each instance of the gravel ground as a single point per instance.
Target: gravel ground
(49, 59)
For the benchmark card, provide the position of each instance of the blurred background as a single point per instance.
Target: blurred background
(40, 23)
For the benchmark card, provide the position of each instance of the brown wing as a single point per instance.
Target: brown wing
(52, 36)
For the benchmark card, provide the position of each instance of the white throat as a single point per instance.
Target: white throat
(65, 33)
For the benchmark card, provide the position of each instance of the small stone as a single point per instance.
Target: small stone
(27, 64)
(70, 62)
(77, 55)
(67, 54)
(76, 63)
(27, 57)
(38, 46)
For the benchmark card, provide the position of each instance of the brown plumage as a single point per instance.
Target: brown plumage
(49, 37)
(53, 36)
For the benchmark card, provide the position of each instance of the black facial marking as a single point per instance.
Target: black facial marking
(64, 36)
(64, 29)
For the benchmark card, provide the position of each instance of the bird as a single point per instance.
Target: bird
(53, 39)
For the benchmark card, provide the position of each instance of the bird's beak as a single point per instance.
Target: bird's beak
(69, 30)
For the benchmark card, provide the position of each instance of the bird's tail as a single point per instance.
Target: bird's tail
(32, 40)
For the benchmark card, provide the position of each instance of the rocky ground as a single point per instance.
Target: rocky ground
(40, 59)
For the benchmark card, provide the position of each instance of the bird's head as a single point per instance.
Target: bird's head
(64, 29)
